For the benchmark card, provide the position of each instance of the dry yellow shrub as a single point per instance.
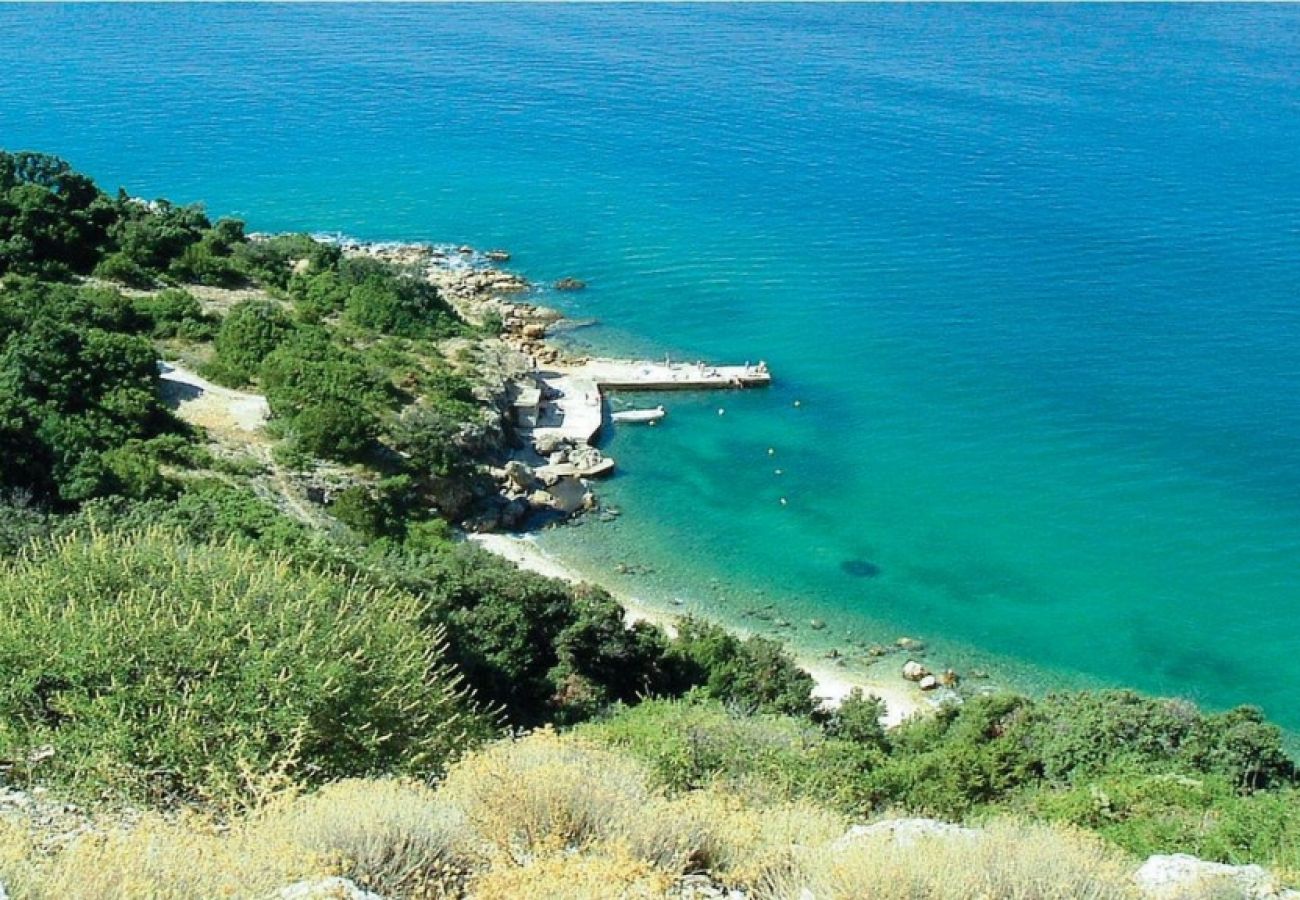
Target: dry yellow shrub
(161, 860)
(1007, 861)
(587, 876)
(743, 842)
(545, 794)
(394, 837)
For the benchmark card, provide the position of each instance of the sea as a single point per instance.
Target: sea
(1027, 276)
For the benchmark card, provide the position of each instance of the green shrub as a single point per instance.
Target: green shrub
(756, 673)
(1207, 817)
(69, 395)
(174, 313)
(324, 393)
(271, 260)
(696, 742)
(123, 269)
(53, 221)
(536, 648)
(154, 667)
(248, 334)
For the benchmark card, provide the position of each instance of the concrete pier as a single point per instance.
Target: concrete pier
(633, 375)
(573, 408)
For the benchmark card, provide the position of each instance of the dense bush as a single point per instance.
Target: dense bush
(325, 394)
(373, 295)
(70, 396)
(53, 221)
(537, 648)
(179, 669)
(174, 313)
(697, 742)
(755, 673)
(249, 332)
(271, 261)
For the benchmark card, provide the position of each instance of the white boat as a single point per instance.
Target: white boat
(639, 415)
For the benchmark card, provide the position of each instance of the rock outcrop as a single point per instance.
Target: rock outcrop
(905, 833)
(1179, 875)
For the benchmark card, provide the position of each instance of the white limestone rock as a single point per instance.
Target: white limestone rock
(1180, 876)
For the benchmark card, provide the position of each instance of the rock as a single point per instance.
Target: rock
(464, 249)
(534, 330)
(498, 255)
(568, 495)
(1183, 876)
(583, 458)
(816, 624)
(928, 683)
(949, 678)
(547, 444)
(520, 475)
(541, 500)
(907, 643)
(483, 522)
(570, 284)
(906, 833)
(700, 886)
(333, 888)
(514, 513)
(914, 671)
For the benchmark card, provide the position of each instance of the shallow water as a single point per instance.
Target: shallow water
(1031, 271)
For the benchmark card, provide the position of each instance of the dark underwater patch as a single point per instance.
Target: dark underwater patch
(860, 568)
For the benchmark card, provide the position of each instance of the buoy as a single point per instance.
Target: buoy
(721, 411)
(779, 472)
(798, 403)
(771, 451)
(783, 501)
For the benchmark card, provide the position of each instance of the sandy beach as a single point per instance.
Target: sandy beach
(832, 682)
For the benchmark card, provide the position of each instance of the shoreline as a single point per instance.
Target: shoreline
(831, 683)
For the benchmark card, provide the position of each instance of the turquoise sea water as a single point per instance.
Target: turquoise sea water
(1033, 273)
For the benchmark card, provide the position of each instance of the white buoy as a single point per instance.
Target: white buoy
(771, 451)
(783, 501)
(721, 411)
(779, 472)
(798, 403)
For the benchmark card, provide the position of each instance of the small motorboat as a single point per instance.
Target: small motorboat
(639, 415)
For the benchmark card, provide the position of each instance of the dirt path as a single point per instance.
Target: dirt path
(224, 413)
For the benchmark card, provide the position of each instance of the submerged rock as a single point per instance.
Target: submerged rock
(860, 568)
(570, 284)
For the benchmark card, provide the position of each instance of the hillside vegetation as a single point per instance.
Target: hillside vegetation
(234, 695)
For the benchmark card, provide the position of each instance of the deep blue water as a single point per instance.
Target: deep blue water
(1032, 271)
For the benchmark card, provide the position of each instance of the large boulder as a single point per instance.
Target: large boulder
(914, 671)
(520, 476)
(1180, 876)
